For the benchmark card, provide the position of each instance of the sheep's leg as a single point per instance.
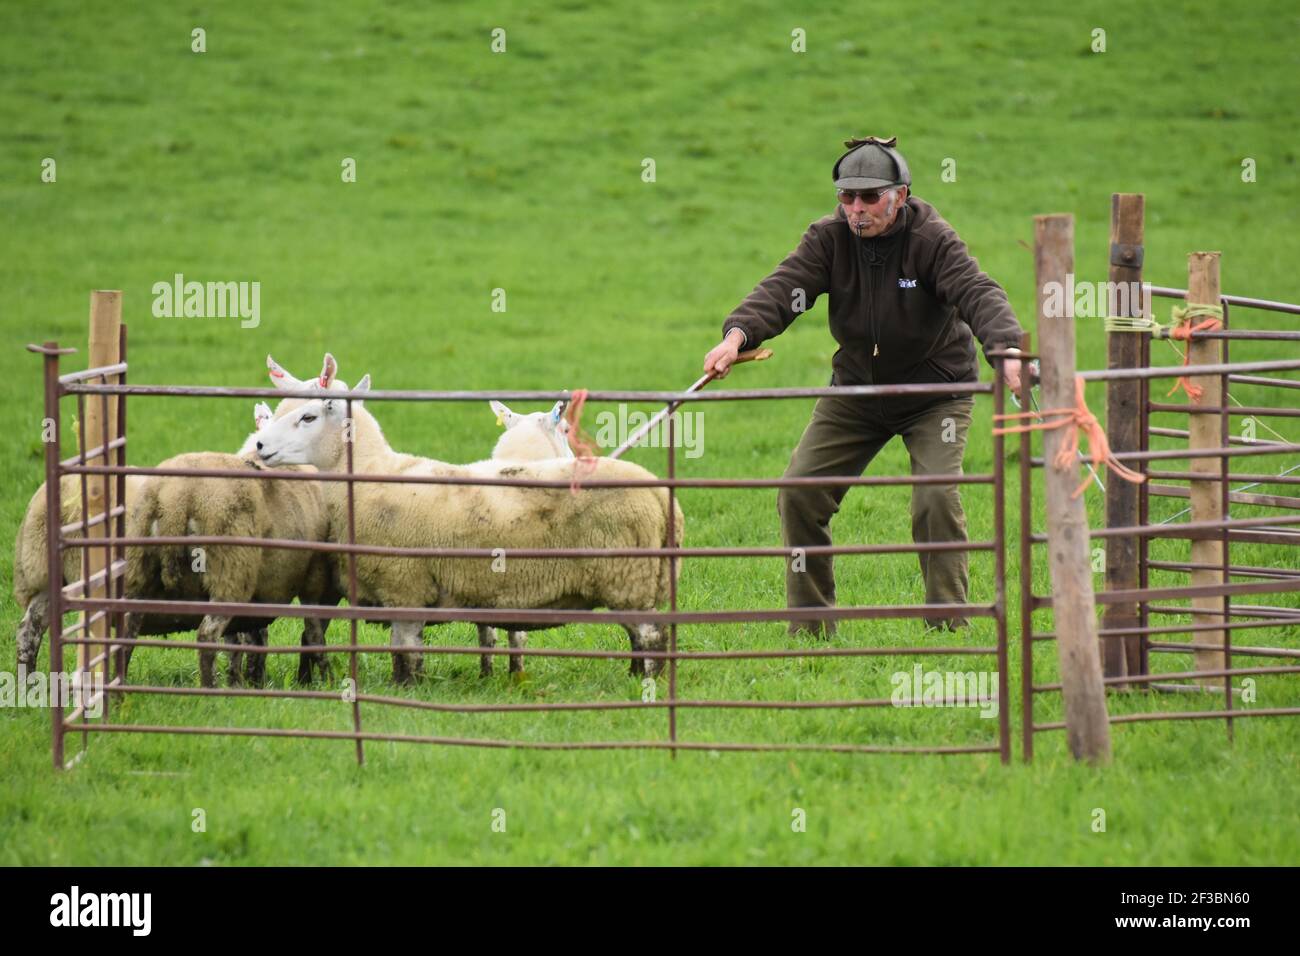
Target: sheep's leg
(255, 664)
(31, 630)
(407, 667)
(646, 637)
(313, 635)
(130, 631)
(487, 637)
(235, 663)
(517, 640)
(653, 638)
(210, 632)
(634, 634)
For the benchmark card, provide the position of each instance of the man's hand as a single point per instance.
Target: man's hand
(720, 360)
(1011, 373)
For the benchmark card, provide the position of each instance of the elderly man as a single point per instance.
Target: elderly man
(905, 298)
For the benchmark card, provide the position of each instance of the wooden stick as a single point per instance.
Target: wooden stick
(1123, 421)
(105, 333)
(1206, 494)
(753, 355)
(1087, 727)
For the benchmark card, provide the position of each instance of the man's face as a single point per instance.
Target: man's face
(869, 211)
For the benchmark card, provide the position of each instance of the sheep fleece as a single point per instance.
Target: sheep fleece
(174, 506)
(490, 517)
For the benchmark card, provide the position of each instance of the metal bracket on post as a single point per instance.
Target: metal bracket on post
(1126, 254)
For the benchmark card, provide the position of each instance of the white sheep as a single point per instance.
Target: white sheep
(175, 506)
(31, 566)
(313, 431)
(531, 437)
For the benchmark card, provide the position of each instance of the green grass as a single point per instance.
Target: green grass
(522, 171)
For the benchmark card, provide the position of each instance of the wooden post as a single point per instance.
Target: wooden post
(1206, 494)
(1087, 726)
(105, 339)
(1123, 422)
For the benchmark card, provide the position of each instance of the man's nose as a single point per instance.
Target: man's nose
(859, 204)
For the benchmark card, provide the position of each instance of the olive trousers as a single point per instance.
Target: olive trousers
(842, 438)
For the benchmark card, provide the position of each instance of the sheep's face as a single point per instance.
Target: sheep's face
(308, 431)
(546, 430)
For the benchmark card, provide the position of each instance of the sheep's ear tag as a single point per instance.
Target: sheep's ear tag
(500, 421)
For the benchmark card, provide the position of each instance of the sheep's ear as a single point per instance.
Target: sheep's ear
(280, 378)
(333, 405)
(504, 415)
(362, 386)
(261, 415)
(328, 371)
(557, 412)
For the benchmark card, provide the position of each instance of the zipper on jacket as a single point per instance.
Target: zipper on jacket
(873, 286)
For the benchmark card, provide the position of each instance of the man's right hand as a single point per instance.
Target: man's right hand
(723, 356)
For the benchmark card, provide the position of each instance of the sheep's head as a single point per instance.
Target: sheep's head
(533, 436)
(309, 431)
(261, 415)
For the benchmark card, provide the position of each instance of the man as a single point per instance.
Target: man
(905, 298)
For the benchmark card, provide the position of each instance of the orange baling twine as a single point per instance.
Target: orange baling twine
(1082, 420)
(579, 441)
(1211, 321)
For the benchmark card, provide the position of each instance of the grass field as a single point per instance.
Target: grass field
(522, 171)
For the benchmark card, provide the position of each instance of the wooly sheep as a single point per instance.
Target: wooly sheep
(532, 437)
(31, 566)
(173, 506)
(312, 431)
(529, 437)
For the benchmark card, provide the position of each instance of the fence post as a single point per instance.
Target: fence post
(101, 420)
(1123, 427)
(1204, 432)
(1074, 611)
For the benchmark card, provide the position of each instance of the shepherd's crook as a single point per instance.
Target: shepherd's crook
(753, 355)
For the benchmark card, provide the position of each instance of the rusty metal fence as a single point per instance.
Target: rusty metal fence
(1162, 601)
(111, 653)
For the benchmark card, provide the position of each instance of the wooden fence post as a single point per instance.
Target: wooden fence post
(1068, 545)
(1203, 432)
(1123, 422)
(105, 338)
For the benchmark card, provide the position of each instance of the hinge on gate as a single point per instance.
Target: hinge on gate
(1126, 254)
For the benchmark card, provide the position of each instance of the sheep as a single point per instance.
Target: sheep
(313, 431)
(532, 437)
(173, 506)
(31, 567)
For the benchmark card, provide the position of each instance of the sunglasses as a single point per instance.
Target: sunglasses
(869, 196)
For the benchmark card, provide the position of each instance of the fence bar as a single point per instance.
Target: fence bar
(529, 744)
(54, 566)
